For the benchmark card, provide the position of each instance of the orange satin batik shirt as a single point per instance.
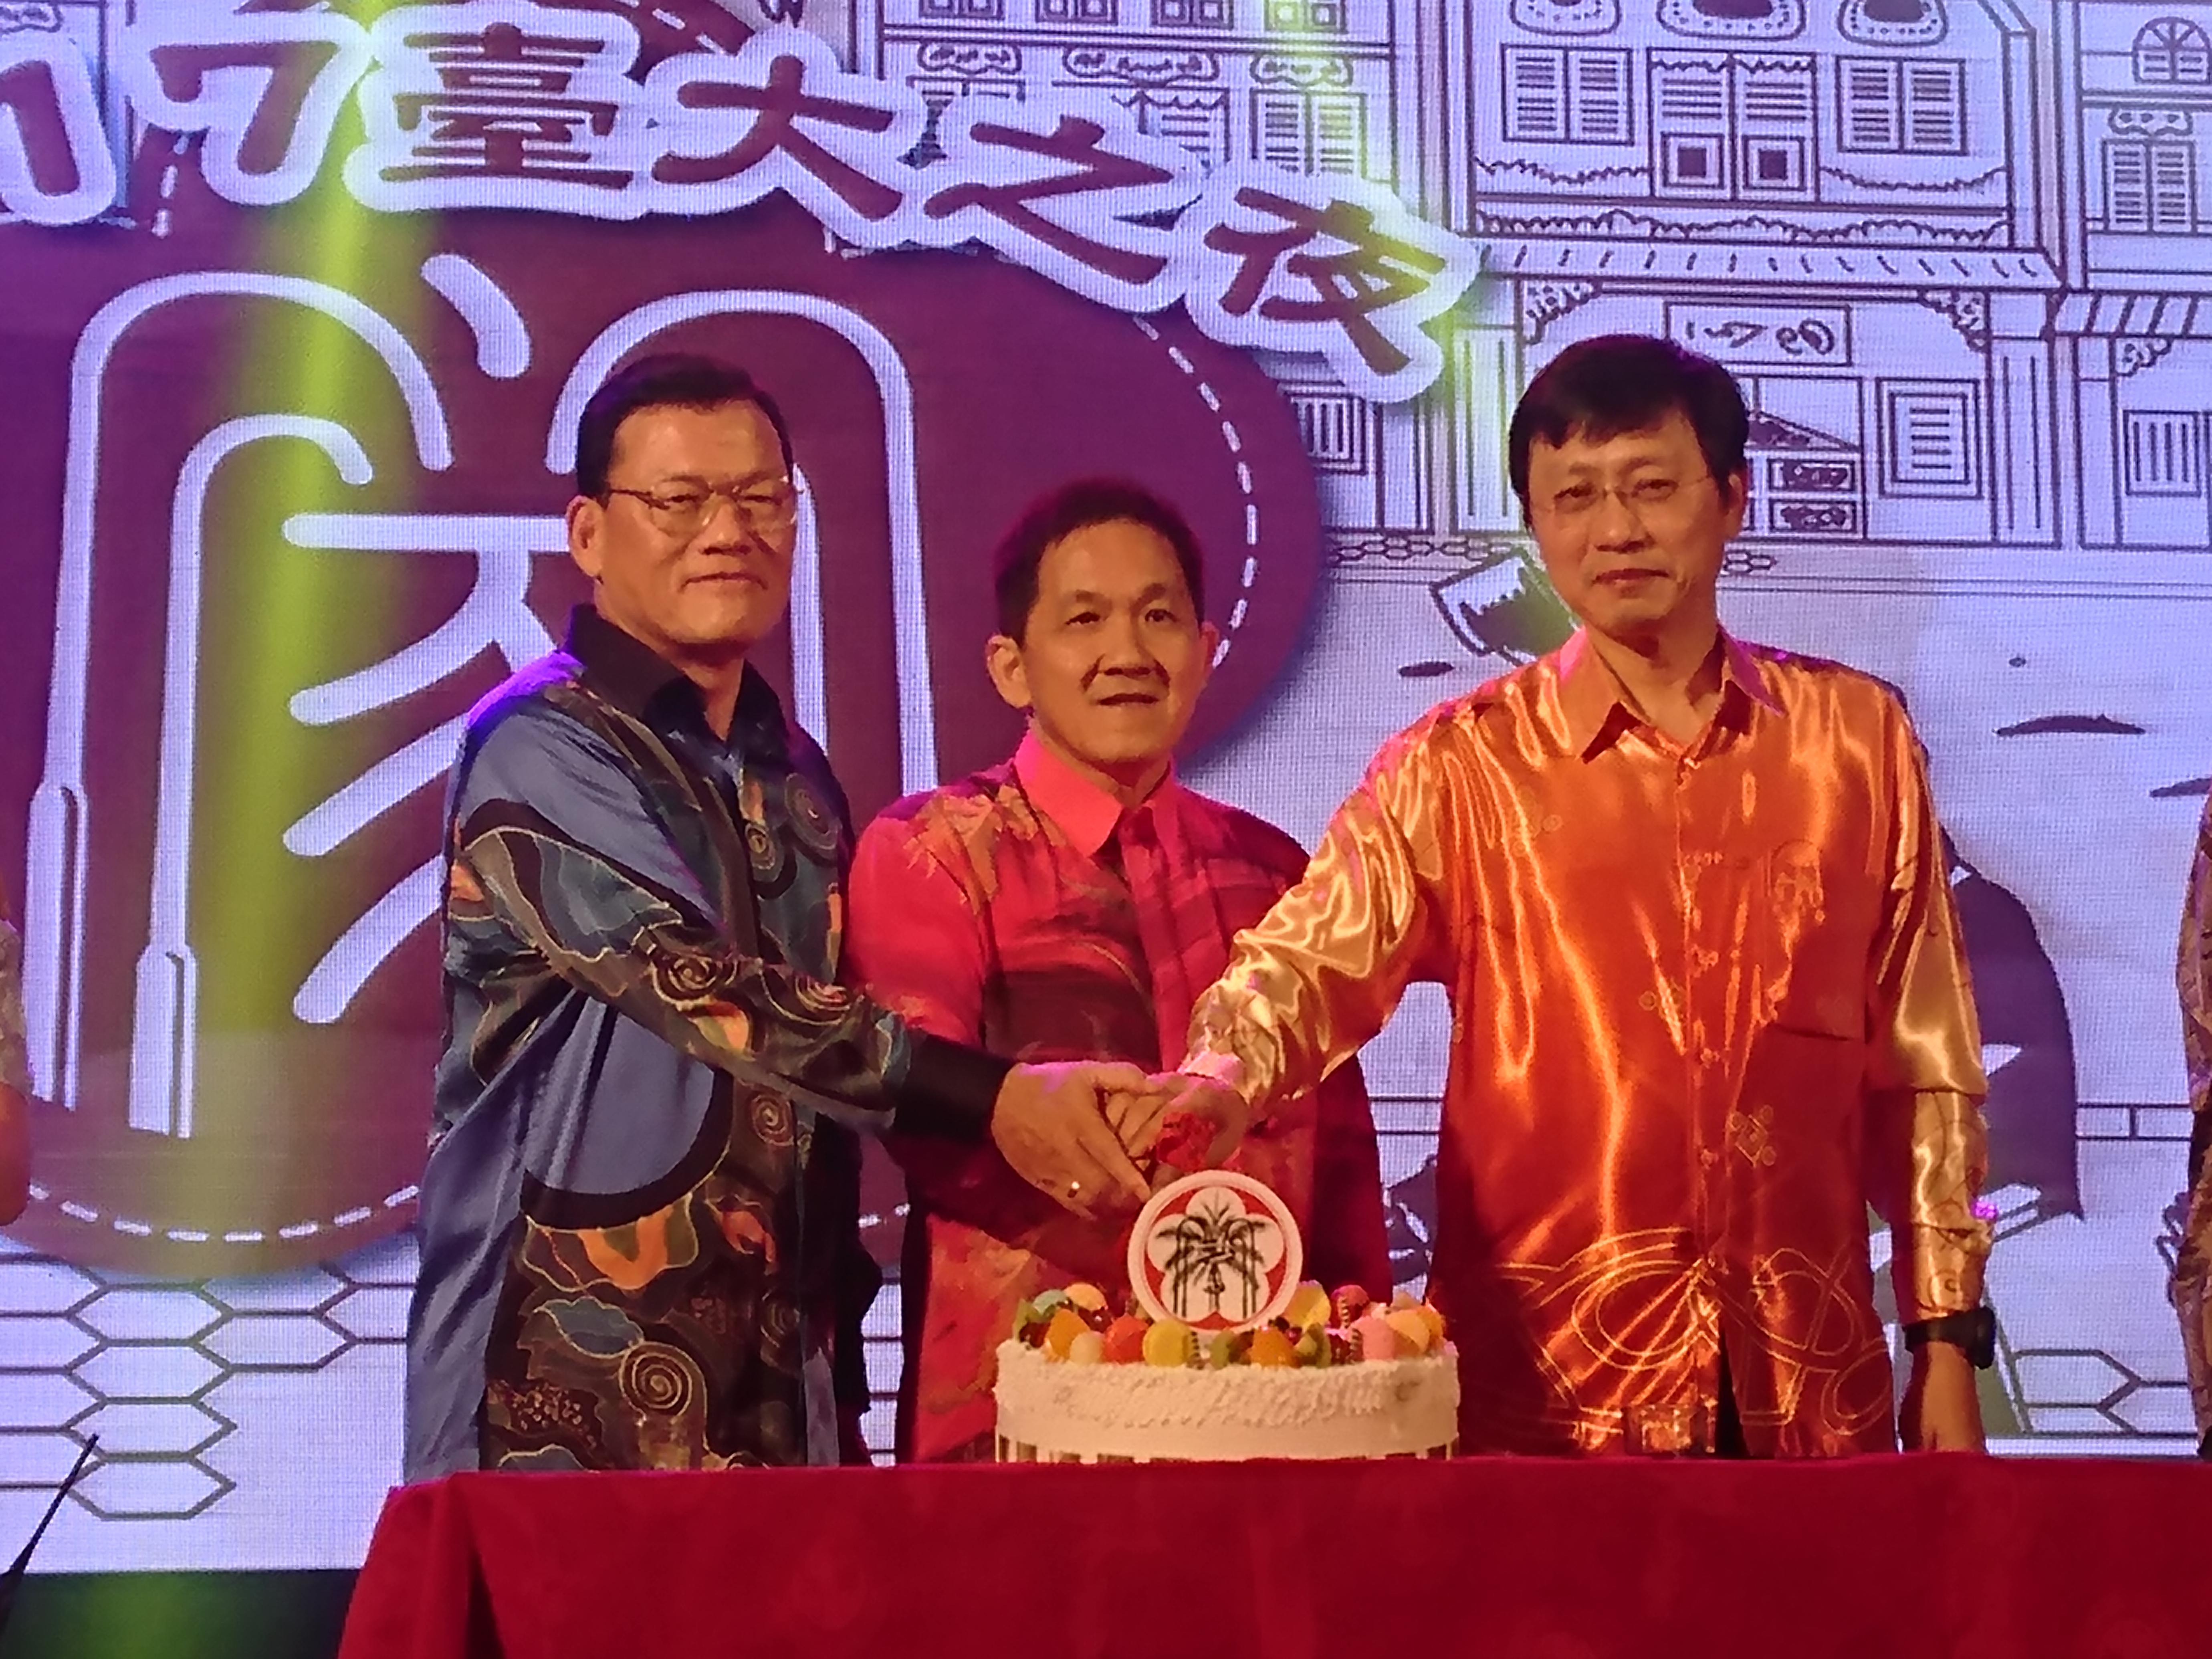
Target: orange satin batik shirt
(1710, 1003)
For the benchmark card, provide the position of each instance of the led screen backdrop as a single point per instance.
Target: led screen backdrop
(302, 301)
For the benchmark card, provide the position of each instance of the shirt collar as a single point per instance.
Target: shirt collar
(1086, 814)
(1595, 708)
(644, 684)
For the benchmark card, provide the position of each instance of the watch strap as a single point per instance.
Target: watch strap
(1975, 1331)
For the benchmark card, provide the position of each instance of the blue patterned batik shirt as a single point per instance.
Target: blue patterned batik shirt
(639, 1228)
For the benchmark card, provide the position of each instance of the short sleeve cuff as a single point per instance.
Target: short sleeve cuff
(948, 1089)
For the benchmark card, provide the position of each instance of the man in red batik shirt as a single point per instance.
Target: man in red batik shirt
(1069, 903)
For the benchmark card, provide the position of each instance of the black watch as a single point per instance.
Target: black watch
(1975, 1331)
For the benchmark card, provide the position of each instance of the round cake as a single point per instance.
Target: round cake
(1220, 1354)
(1051, 1411)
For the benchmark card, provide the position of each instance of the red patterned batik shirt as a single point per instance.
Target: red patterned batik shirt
(1025, 910)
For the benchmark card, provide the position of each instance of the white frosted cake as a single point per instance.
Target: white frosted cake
(1050, 1411)
(1223, 1354)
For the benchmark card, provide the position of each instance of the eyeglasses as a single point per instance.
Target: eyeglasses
(1643, 497)
(766, 507)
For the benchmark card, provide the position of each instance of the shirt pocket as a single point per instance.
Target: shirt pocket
(1797, 1120)
(1813, 921)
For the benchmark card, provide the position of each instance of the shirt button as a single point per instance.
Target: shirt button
(1648, 1002)
(1707, 1158)
(1708, 1056)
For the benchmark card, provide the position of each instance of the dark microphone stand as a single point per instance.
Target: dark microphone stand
(12, 1580)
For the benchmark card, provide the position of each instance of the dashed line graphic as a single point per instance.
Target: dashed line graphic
(1234, 441)
(92, 1216)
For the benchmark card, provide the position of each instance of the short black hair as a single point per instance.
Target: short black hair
(1058, 515)
(668, 379)
(1598, 389)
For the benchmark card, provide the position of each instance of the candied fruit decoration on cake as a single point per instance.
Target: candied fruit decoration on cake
(1088, 1349)
(1308, 1308)
(1086, 1297)
(1029, 1324)
(1060, 1336)
(1183, 1140)
(1170, 1343)
(1348, 1303)
(1435, 1321)
(1125, 1339)
(1227, 1348)
(1312, 1347)
(1271, 1347)
(1373, 1339)
(1342, 1350)
(1414, 1336)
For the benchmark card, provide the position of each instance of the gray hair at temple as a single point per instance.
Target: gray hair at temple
(1600, 388)
(668, 379)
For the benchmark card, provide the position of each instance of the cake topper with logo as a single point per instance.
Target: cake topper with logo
(1217, 1251)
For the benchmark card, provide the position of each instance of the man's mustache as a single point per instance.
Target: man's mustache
(1135, 679)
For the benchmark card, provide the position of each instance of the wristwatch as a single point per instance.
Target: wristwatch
(1975, 1331)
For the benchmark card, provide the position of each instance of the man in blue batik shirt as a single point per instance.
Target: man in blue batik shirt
(640, 1237)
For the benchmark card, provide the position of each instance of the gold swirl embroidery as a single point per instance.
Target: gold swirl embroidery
(1752, 1135)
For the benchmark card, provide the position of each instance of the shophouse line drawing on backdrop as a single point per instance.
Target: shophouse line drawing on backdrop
(1956, 251)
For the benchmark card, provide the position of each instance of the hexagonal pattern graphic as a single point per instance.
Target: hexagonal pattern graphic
(133, 1359)
(36, 1342)
(2093, 1393)
(2156, 1408)
(39, 1459)
(2060, 1378)
(41, 1400)
(294, 1293)
(293, 1340)
(148, 1486)
(148, 1370)
(378, 1313)
(137, 1428)
(146, 1313)
(35, 1284)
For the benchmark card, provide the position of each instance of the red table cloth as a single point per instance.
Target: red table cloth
(1879, 1557)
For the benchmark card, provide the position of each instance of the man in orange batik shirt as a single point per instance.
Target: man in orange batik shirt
(1070, 904)
(1688, 896)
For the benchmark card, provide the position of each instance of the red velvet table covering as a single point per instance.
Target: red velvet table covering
(1880, 1557)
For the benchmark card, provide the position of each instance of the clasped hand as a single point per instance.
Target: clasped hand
(1098, 1136)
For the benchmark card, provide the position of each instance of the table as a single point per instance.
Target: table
(1874, 1557)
